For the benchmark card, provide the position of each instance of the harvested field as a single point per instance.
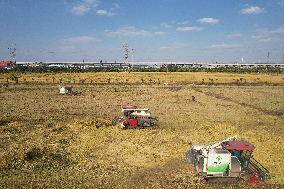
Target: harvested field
(54, 141)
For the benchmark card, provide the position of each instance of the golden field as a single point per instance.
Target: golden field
(54, 141)
(147, 78)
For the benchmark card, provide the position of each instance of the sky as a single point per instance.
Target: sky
(157, 30)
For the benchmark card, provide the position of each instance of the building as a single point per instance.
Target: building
(6, 64)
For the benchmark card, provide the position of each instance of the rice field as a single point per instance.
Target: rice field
(146, 78)
(54, 141)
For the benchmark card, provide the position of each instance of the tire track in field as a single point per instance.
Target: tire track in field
(268, 112)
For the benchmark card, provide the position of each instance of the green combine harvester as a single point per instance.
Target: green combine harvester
(230, 158)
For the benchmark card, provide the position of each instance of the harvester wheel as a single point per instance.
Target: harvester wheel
(218, 180)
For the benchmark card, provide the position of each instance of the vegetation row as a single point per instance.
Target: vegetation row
(168, 68)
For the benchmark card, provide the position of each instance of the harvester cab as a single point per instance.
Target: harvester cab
(228, 158)
(241, 150)
(134, 117)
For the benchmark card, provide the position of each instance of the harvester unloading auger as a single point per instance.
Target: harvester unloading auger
(230, 158)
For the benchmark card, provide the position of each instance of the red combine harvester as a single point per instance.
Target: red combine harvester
(230, 158)
(134, 117)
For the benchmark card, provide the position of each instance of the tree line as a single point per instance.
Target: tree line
(165, 68)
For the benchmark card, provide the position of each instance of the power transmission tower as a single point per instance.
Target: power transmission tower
(132, 56)
(13, 52)
(268, 57)
(126, 53)
(283, 56)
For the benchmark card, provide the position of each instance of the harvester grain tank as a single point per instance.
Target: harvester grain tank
(230, 158)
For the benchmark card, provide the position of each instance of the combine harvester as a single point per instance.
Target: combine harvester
(230, 158)
(134, 117)
(68, 90)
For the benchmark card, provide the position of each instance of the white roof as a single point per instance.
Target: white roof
(141, 113)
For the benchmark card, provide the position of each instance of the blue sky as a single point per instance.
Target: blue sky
(157, 30)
